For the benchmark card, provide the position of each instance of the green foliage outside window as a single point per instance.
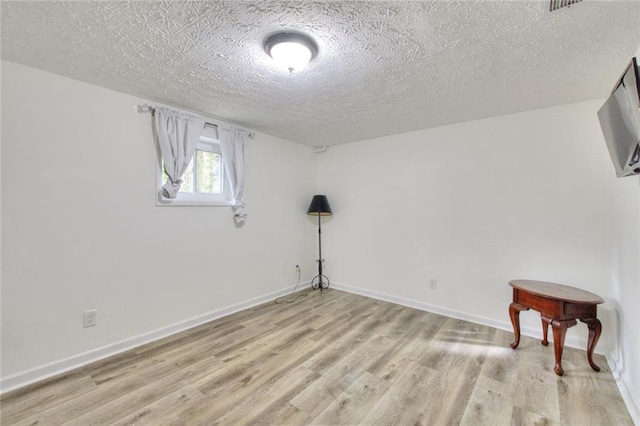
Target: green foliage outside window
(207, 178)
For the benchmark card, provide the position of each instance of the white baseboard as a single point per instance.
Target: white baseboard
(23, 378)
(477, 319)
(631, 399)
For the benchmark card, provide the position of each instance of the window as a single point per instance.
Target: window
(205, 182)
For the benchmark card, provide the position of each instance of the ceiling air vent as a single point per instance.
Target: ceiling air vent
(559, 4)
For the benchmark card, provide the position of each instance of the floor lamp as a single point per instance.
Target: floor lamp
(319, 206)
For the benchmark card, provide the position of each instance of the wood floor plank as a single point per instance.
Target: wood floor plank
(53, 390)
(335, 326)
(336, 319)
(329, 358)
(403, 320)
(150, 383)
(179, 353)
(208, 330)
(45, 397)
(585, 397)
(349, 368)
(412, 346)
(521, 416)
(355, 402)
(534, 387)
(162, 411)
(491, 401)
(316, 397)
(405, 400)
(457, 371)
(180, 379)
(272, 397)
(239, 383)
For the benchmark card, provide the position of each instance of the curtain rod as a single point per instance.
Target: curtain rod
(149, 108)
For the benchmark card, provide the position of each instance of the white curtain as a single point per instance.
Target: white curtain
(233, 143)
(178, 134)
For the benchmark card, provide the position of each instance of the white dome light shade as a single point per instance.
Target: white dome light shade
(290, 55)
(290, 50)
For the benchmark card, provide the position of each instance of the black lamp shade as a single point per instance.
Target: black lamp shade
(319, 206)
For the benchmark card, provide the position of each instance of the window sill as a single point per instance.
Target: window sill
(177, 202)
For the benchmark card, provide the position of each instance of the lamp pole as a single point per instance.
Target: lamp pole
(320, 259)
(320, 206)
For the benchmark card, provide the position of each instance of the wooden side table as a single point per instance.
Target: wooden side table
(559, 305)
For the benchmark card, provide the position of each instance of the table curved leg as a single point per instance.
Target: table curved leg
(514, 314)
(595, 328)
(545, 329)
(559, 333)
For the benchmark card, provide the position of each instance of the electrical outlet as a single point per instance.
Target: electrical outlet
(90, 318)
(433, 283)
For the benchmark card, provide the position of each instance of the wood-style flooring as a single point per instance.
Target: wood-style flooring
(330, 358)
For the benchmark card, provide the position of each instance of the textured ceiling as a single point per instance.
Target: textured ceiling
(383, 67)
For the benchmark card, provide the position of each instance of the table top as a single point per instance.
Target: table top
(557, 291)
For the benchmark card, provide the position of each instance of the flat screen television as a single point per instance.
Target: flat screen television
(620, 121)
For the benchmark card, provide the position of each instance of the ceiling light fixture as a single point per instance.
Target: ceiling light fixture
(291, 50)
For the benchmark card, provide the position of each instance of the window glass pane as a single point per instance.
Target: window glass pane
(187, 177)
(208, 165)
(203, 180)
(217, 174)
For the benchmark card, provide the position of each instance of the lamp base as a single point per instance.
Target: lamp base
(320, 282)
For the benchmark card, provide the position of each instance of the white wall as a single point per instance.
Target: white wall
(81, 230)
(474, 205)
(625, 259)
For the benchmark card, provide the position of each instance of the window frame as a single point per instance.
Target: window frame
(207, 144)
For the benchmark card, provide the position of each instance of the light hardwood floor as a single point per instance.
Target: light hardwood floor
(329, 358)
